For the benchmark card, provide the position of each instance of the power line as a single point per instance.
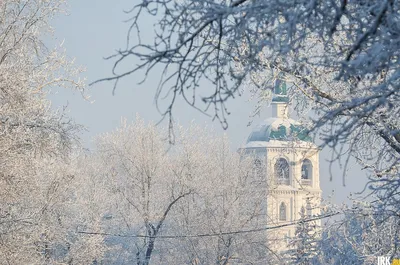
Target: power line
(213, 234)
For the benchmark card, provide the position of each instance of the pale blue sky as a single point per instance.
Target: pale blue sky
(95, 29)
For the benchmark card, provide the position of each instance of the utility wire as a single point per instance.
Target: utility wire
(214, 234)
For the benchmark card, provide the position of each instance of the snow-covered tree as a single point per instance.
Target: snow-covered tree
(37, 203)
(303, 246)
(231, 197)
(359, 237)
(147, 184)
(181, 204)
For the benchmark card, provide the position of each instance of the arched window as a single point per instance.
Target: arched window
(280, 86)
(306, 172)
(309, 209)
(282, 171)
(282, 212)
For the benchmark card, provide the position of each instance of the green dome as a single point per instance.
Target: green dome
(279, 129)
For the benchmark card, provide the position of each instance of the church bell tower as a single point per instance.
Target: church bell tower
(291, 164)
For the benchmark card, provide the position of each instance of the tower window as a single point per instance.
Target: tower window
(306, 172)
(282, 171)
(280, 86)
(282, 212)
